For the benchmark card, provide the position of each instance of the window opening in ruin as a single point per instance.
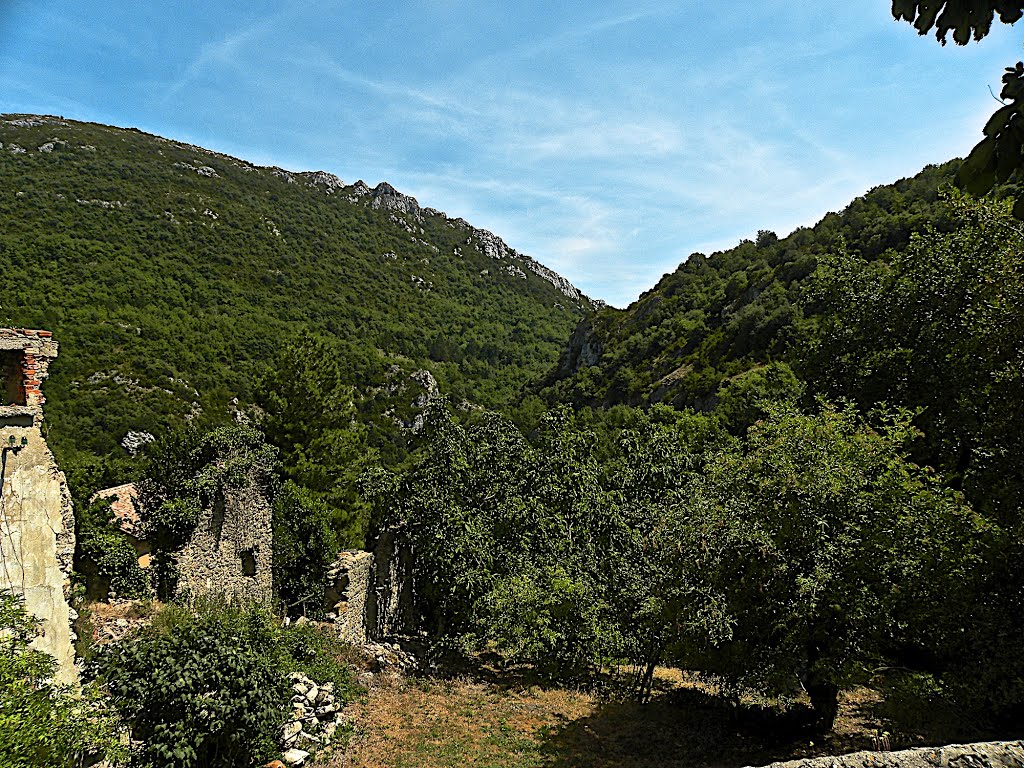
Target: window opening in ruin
(248, 563)
(10, 371)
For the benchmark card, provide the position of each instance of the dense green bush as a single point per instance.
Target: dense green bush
(43, 725)
(116, 562)
(104, 556)
(508, 538)
(206, 684)
(200, 687)
(805, 554)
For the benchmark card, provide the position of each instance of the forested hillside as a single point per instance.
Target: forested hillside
(880, 303)
(686, 340)
(836, 495)
(175, 278)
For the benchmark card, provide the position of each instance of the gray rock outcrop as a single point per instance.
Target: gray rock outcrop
(583, 350)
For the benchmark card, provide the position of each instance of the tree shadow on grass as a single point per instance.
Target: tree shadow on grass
(490, 668)
(688, 727)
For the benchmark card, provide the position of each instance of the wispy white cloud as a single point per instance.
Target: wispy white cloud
(228, 52)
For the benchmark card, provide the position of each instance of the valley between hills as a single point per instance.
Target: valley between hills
(771, 510)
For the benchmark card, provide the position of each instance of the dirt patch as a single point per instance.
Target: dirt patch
(406, 722)
(108, 622)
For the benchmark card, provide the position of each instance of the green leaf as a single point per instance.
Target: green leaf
(998, 122)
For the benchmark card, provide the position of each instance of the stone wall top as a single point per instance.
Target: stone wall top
(39, 341)
(993, 754)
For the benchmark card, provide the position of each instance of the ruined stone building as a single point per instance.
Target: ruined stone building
(231, 549)
(369, 595)
(37, 525)
(230, 552)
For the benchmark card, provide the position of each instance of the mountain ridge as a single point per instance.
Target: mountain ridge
(382, 196)
(174, 275)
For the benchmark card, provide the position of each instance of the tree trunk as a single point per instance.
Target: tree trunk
(824, 701)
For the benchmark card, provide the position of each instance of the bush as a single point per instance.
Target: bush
(116, 562)
(43, 724)
(200, 686)
(306, 542)
(207, 684)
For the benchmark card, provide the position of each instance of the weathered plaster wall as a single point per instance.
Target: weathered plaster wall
(997, 754)
(231, 549)
(37, 525)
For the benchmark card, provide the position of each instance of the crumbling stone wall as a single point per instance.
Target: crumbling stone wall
(997, 754)
(37, 525)
(231, 549)
(369, 595)
(348, 583)
(391, 605)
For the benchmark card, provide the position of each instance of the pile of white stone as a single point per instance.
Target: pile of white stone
(314, 719)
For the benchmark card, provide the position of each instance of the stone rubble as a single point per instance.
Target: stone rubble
(390, 656)
(314, 719)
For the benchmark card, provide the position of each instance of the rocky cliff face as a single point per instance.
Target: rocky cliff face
(386, 197)
(582, 350)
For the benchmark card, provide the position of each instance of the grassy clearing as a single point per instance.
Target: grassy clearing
(495, 722)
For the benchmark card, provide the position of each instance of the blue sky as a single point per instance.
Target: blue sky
(608, 140)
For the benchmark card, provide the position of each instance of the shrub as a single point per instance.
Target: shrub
(207, 684)
(116, 562)
(200, 686)
(43, 724)
(306, 542)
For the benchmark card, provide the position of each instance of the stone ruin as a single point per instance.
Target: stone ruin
(124, 503)
(348, 581)
(369, 595)
(231, 549)
(37, 524)
(230, 552)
